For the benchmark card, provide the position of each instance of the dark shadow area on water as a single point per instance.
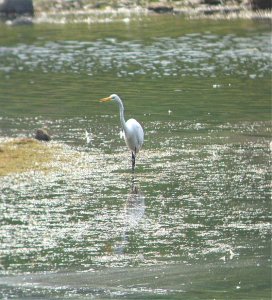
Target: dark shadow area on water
(232, 280)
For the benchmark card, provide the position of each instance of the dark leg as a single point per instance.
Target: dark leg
(133, 161)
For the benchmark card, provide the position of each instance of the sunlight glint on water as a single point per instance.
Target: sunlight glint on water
(198, 207)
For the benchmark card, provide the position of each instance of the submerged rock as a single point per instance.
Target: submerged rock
(42, 135)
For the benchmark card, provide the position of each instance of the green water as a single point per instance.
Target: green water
(194, 221)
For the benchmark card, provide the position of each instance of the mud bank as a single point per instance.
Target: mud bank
(20, 155)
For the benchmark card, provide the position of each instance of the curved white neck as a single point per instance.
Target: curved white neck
(122, 117)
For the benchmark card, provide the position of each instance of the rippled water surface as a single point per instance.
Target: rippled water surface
(194, 221)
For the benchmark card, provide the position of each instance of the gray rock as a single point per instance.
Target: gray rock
(261, 4)
(16, 7)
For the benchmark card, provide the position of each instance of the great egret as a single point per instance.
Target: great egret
(89, 136)
(134, 133)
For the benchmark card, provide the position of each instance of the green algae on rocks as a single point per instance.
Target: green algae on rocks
(25, 154)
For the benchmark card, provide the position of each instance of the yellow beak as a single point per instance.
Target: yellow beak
(105, 99)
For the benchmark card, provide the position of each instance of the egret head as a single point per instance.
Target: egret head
(112, 97)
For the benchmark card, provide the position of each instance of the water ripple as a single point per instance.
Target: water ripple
(203, 198)
(205, 55)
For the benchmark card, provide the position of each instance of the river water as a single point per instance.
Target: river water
(194, 221)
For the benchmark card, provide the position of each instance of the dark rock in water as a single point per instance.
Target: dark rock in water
(161, 8)
(42, 135)
(261, 4)
(16, 7)
(221, 10)
(212, 2)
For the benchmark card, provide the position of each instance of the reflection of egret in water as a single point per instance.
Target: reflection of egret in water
(134, 208)
(134, 211)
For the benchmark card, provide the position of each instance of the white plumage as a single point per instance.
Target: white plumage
(134, 133)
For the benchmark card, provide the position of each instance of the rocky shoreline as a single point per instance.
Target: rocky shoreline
(152, 6)
(42, 9)
(190, 8)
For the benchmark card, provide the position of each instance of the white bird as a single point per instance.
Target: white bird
(89, 136)
(134, 133)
